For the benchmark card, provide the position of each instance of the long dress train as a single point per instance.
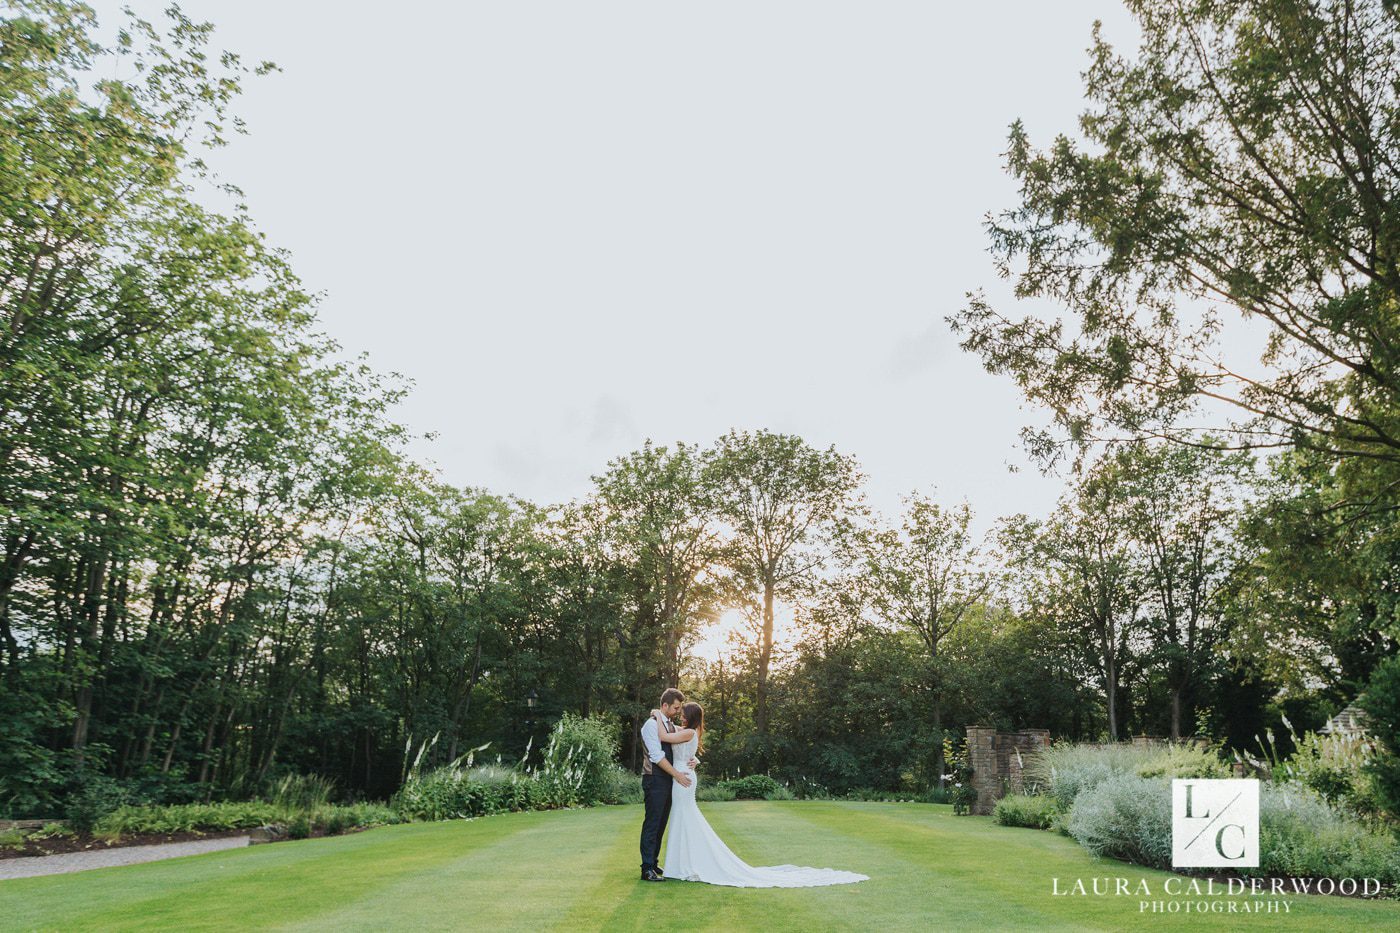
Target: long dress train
(695, 853)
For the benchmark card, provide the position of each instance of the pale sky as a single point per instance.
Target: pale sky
(579, 225)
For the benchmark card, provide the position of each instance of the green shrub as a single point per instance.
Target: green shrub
(299, 827)
(221, 817)
(298, 792)
(963, 796)
(32, 775)
(1381, 701)
(781, 792)
(1302, 835)
(189, 817)
(1033, 812)
(1126, 817)
(51, 831)
(454, 792)
(1336, 767)
(334, 820)
(578, 760)
(753, 787)
(871, 794)
(897, 796)
(714, 793)
(809, 790)
(1065, 771)
(96, 796)
(1182, 761)
(621, 786)
(365, 815)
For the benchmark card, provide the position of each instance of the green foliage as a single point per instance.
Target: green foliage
(1338, 767)
(620, 786)
(871, 793)
(578, 761)
(191, 817)
(784, 502)
(1382, 705)
(963, 797)
(753, 787)
(1302, 835)
(335, 821)
(1182, 761)
(1195, 134)
(1034, 812)
(300, 826)
(454, 792)
(715, 793)
(31, 776)
(219, 817)
(578, 769)
(1065, 770)
(1124, 816)
(361, 815)
(52, 831)
(96, 797)
(807, 789)
(301, 792)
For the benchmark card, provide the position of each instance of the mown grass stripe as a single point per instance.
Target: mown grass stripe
(262, 886)
(1024, 860)
(576, 870)
(530, 879)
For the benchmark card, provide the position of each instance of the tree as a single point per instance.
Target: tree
(926, 576)
(1083, 582)
(1314, 604)
(1180, 508)
(660, 528)
(1241, 167)
(782, 501)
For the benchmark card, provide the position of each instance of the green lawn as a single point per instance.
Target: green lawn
(577, 870)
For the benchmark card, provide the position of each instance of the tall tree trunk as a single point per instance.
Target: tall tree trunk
(465, 705)
(16, 552)
(938, 738)
(1176, 712)
(82, 701)
(765, 657)
(1111, 685)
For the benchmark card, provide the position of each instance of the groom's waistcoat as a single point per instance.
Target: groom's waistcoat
(665, 750)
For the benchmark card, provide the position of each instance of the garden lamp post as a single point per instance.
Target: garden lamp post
(531, 701)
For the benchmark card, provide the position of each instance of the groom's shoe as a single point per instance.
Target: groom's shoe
(653, 875)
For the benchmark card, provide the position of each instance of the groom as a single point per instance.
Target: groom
(657, 775)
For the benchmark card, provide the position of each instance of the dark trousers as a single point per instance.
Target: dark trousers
(656, 799)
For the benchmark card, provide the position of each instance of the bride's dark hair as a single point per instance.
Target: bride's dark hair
(695, 719)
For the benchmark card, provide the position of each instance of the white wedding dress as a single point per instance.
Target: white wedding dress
(695, 853)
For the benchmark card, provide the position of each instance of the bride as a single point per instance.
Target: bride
(695, 853)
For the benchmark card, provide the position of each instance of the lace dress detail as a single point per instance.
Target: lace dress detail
(695, 853)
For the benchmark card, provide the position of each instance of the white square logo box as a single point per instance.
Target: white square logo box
(1215, 823)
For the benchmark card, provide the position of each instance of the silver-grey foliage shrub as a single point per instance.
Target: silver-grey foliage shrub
(1126, 817)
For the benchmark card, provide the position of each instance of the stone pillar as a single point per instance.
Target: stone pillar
(982, 759)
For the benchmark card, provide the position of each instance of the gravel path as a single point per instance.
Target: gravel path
(121, 855)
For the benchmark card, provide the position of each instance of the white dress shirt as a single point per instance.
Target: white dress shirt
(651, 741)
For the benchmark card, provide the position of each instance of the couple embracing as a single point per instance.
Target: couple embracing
(693, 851)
